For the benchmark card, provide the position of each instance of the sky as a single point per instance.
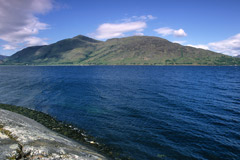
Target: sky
(207, 24)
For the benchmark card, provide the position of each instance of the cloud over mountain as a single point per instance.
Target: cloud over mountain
(229, 46)
(165, 31)
(112, 30)
(19, 24)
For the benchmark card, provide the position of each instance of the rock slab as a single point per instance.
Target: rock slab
(24, 138)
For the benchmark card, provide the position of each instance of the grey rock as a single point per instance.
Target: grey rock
(26, 139)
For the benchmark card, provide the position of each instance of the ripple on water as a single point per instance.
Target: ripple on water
(156, 112)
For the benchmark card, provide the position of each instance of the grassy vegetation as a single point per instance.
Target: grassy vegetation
(136, 50)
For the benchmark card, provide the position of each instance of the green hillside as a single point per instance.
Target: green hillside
(136, 50)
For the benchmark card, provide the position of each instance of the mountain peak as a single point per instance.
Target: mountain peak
(85, 38)
(134, 50)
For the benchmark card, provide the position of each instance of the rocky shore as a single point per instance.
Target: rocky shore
(24, 138)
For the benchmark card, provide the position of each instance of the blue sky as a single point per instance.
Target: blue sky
(208, 24)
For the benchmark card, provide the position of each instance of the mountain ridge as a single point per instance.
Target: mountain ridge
(134, 50)
(2, 57)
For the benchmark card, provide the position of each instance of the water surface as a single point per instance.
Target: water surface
(145, 112)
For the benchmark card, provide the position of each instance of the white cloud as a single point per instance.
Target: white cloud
(151, 17)
(180, 42)
(165, 31)
(139, 34)
(230, 46)
(199, 46)
(111, 30)
(145, 17)
(139, 18)
(18, 23)
(9, 47)
(34, 41)
(179, 33)
(135, 24)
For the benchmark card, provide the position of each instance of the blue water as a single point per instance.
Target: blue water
(145, 112)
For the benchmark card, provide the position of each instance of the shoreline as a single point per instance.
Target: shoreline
(74, 134)
(112, 65)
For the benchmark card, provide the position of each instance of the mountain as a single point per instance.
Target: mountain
(3, 57)
(135, 50)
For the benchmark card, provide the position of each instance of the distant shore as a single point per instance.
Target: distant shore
(86, 65)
